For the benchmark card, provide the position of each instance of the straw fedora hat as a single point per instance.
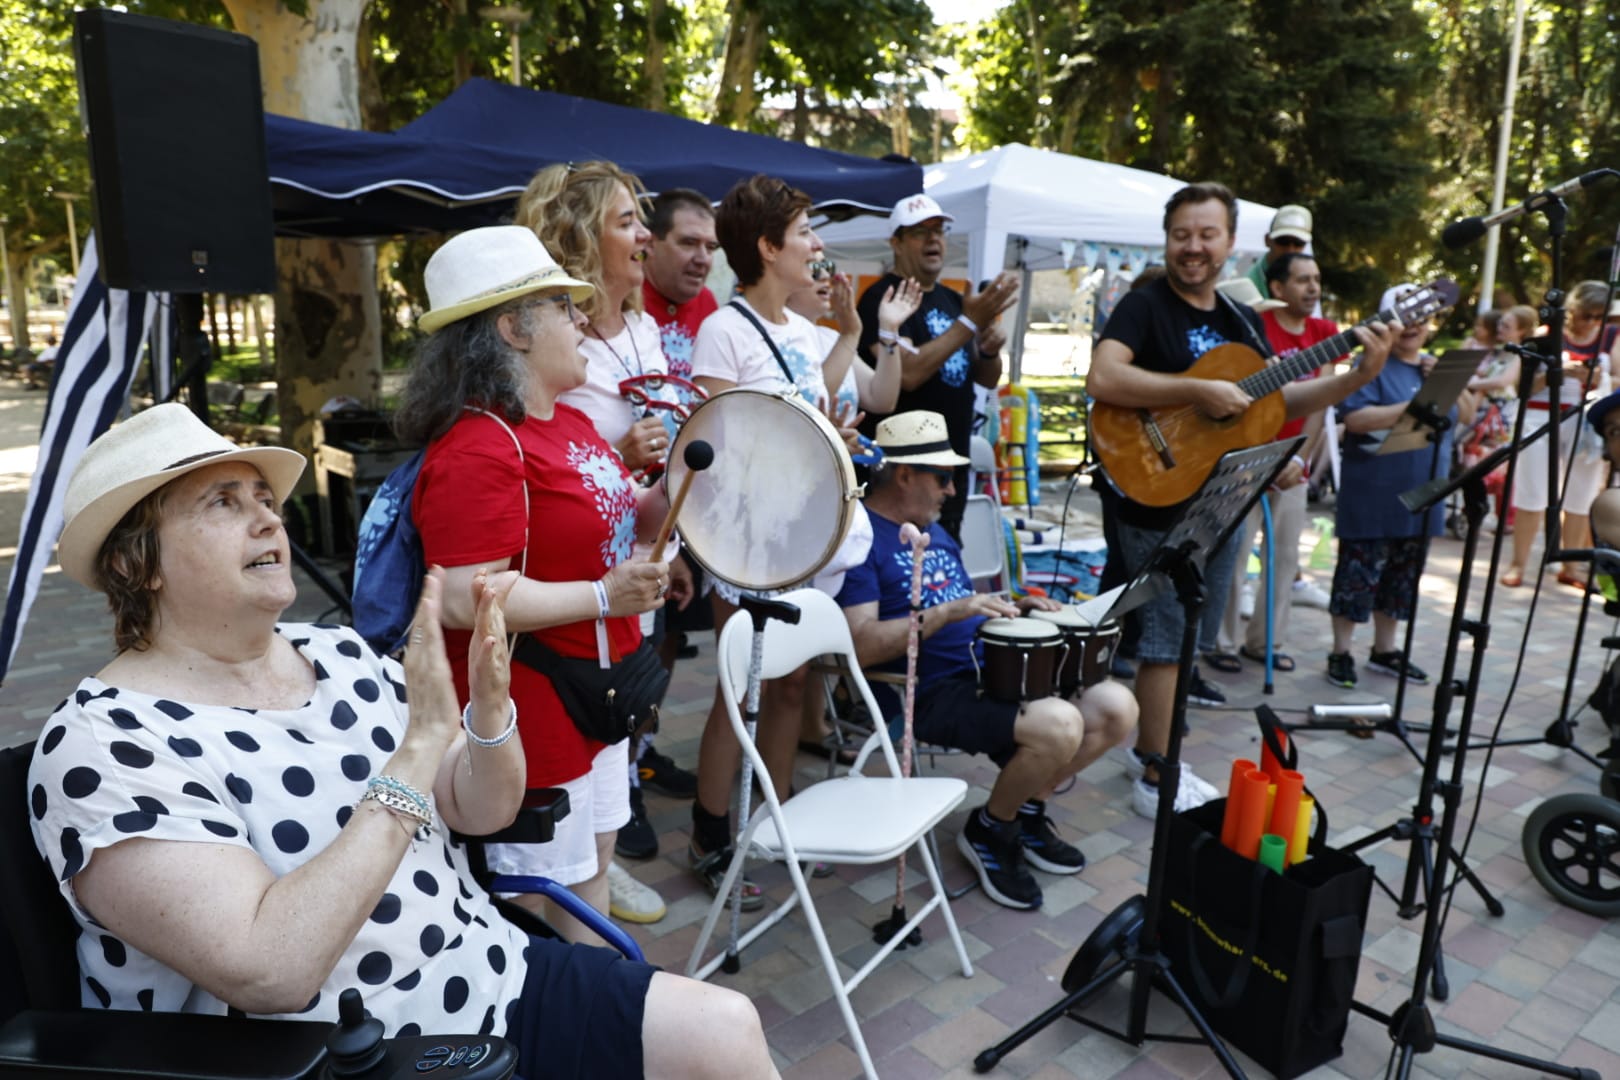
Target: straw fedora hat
(482, 268)
(134, 459)
(918, 437)
(1244, 291)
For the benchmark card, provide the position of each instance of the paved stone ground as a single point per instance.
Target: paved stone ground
(1542, 979)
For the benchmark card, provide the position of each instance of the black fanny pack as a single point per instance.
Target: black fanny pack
(606, 704)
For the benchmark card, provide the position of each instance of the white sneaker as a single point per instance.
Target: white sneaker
(630, 900)
(1191, 781)
(1246, 600)
(1308, 594)
(1145, 797)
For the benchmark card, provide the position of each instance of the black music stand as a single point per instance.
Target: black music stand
(1412, 1025)
(1132, 929)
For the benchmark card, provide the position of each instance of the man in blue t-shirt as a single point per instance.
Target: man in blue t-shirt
(1039, 744)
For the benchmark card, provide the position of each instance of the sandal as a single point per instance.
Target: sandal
(1574, 581)
(1223, 661)
(711, 870)
(828, 751)
(1280, 661)
(1512, 579)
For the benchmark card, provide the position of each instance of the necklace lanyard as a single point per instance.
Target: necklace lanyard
(630, 373)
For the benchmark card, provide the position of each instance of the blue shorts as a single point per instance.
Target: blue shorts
(580, 1014)
(1162, 619)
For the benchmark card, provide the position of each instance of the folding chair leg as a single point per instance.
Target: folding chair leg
(931, 867)
(961, 890)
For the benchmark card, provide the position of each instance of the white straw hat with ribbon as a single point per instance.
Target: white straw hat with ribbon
(483, 268)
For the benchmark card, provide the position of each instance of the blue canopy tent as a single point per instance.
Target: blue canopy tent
(463, 162)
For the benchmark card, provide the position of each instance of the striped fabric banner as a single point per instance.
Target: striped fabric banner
(101, 345)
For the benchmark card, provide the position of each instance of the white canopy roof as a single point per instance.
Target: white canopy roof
(1051, 205)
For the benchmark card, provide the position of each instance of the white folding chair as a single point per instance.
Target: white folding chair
(984, 544)
(857, 819)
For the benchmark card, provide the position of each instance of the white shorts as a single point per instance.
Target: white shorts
(599, 802)
(1530, 478)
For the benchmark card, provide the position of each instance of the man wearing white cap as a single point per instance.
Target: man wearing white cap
(1290, 231)
(1037, 745)
(956, 342)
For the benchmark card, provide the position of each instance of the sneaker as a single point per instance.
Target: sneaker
(1203, 692)
(1044, 848)
(636, 840)
(1341, 670)
(1134, 765)
(711, 870)
(631, 901)
(1309, 594)
(996, 854)
(1246, 600)
(1145, 796)
(1393, 663)
(662, 775)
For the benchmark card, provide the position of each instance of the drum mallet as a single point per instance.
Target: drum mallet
(896, 922)
(698, 456)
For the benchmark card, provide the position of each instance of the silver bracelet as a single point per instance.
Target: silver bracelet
(401, 806)
(499, 740)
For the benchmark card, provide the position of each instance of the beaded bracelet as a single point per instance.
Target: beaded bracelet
(422, 808)
(499, 740)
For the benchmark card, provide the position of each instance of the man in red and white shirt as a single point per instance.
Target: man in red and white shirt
(1295, 284)
(674, 289)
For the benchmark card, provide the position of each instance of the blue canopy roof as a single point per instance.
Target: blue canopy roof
(463, 162)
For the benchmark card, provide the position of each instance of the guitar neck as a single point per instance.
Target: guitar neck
(1276, 376)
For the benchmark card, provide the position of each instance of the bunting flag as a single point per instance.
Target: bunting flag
(101, 345)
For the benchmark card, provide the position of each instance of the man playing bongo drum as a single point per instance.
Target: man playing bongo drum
(1037, 744)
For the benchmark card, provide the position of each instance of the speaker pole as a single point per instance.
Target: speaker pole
(196, 352)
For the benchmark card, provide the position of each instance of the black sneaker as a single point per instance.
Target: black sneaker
(1200, 691)
(1045, 849)
(996, 854)
(1341, 670)
(662, 775)
(1393, 663)
(637, 840)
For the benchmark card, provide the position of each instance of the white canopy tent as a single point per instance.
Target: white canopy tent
(1030, 209)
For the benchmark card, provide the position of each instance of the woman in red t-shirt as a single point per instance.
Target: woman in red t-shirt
(515, 481)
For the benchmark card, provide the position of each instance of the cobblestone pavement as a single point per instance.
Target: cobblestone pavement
(1541, 979)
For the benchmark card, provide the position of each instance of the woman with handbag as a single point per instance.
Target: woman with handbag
(588, 215)
(515, 481)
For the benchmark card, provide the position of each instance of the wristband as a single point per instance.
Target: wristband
(973, 328)
(499, 740)
(1300, 462)
(888, 337)
(601, 598)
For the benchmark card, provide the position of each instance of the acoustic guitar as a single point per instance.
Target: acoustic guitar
(1158, 457)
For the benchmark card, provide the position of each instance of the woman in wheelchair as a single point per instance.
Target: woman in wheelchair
(250, 816)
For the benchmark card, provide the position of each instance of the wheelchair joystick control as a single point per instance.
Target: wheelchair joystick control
(356, 1045)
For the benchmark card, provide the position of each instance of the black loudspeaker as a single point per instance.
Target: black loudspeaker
(176, 130)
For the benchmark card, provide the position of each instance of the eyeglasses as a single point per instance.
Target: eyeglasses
(1288, 242)
(562, 300)
(825, 268)
(920, 232)
(944, 476)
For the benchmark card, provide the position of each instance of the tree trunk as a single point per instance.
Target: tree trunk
(735, 102)
(657, 82)
(328, 326)
(801, 115)
(16, 285)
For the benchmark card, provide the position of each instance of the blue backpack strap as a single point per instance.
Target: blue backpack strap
(388, 561)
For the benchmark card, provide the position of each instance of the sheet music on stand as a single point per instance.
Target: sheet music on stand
(1440, 390)
(1233, 487)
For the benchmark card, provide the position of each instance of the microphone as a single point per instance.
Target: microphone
(1466, 231)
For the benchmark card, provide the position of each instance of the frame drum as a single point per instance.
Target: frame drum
(780, 496)
(1091, 648)
(1021, 658)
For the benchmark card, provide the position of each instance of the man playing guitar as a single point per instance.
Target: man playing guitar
(1154, 334)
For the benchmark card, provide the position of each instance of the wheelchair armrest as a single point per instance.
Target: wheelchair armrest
(536, 823)
(100, 1043)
